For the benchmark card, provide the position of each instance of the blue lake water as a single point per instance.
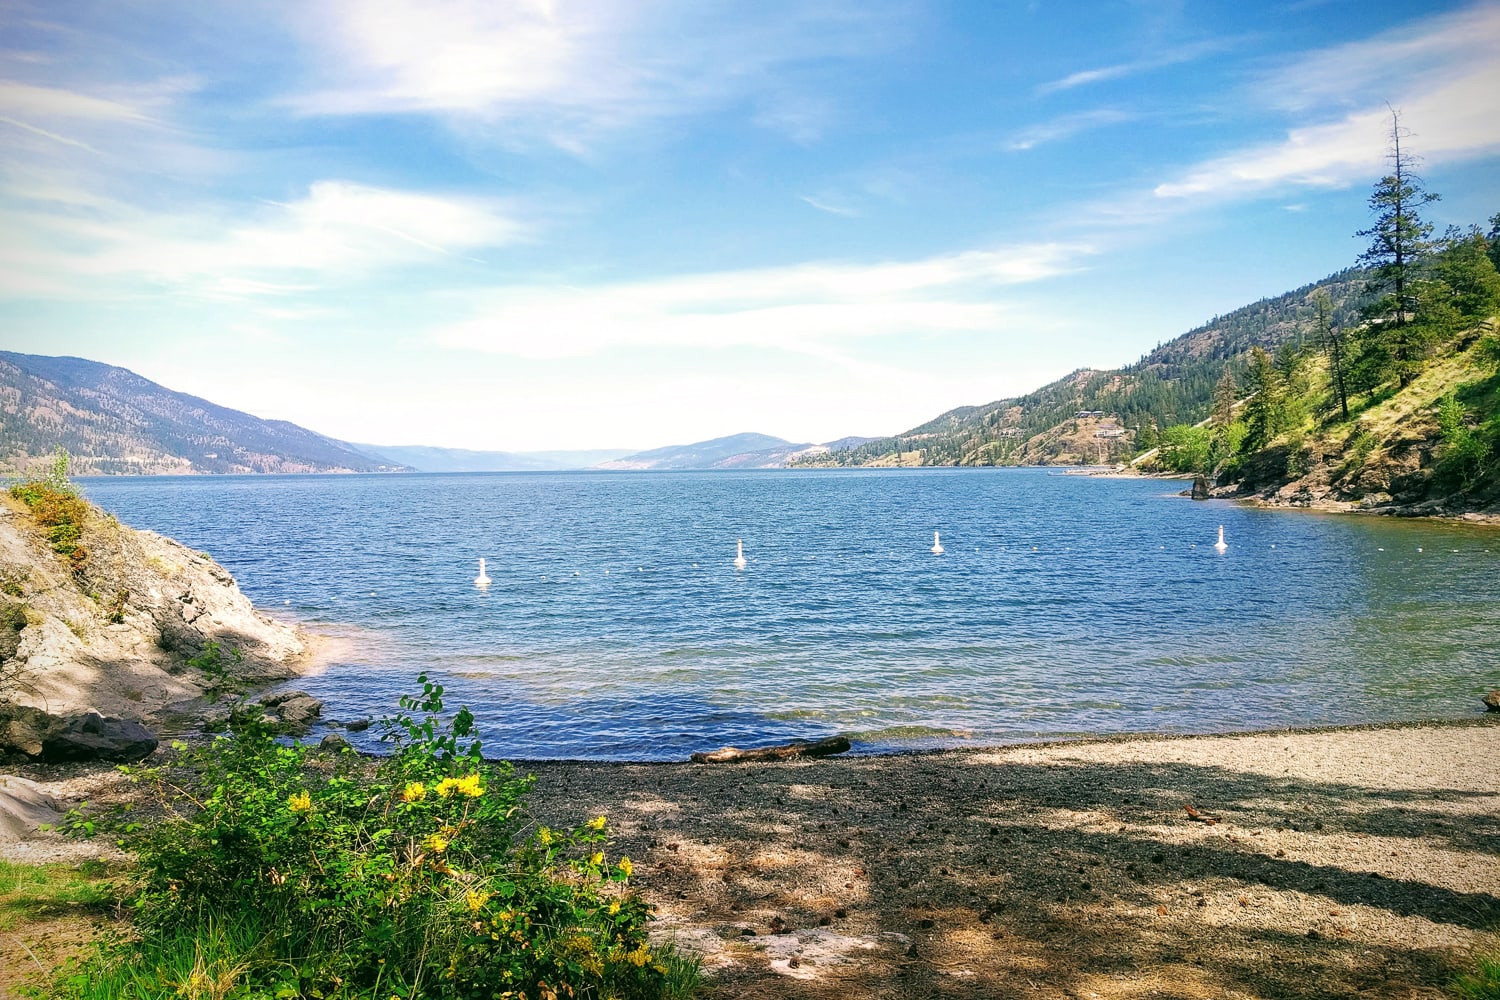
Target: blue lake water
(617, 626)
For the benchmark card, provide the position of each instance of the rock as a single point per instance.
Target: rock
(24, 807)
(1200, 488)
(91, 736)
(294, 709)
(333, 741)
(357, 726)
(1492, 701)
(114, 638)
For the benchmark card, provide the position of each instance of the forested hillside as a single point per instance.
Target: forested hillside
(111, 420)
(1399, 410)
(1172, 384)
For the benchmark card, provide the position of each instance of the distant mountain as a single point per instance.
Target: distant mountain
(1093, 415)
(427, 458)
(738, 451)
(114, 421)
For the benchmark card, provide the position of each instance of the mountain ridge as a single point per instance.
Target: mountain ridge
(113, 421)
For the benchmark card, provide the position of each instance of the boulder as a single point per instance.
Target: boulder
(91, 736)
(294, 709)
(1200, 488)
(357, 726)
(24, 807)
(333, 741)
(1492, 701)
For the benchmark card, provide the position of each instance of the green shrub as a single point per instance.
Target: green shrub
(412, 881)
(58, 509)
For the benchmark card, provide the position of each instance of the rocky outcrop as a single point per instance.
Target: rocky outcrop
(146, 633)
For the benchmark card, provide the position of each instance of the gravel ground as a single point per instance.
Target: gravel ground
(1357, 862)
(1345, 863)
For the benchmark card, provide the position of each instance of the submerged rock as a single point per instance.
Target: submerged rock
(296, 710)
(1492, 701)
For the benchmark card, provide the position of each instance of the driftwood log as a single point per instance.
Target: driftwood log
(796, 748)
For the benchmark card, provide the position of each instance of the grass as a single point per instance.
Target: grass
(34, 893)
(1482, 982)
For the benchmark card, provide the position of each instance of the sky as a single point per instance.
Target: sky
(542, 224)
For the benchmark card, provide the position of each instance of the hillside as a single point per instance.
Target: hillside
(1101, 416)
(1426, 448)
(113, 421)
(737, 451)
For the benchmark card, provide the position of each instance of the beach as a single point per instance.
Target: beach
(1359, 861)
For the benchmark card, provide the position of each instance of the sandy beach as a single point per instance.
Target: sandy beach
(1354, 862)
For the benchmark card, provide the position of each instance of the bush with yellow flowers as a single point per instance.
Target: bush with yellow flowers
(415, 881)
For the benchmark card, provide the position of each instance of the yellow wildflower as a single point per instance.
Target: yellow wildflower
(544, 837)
(614, 907)
(597, 823)
(299, 802)
(597, 858)
(435, 843)
(469, 786)
(476, 900)
(414, 791)
(626, 867)
(446, 787)
(639, 957)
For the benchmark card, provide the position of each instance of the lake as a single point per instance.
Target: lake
(617, 626)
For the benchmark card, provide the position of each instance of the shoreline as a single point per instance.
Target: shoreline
(1481, 719)
(1340, 861)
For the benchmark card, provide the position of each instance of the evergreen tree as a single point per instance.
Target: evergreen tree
(1493, 238)
(1399, 241)
(1225, 393)
(1263, 409)
(1333, 342)
(1470, 278)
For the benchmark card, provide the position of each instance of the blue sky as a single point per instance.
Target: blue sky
(533, 224)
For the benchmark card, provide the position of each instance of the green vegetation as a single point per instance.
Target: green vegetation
(1483, 981)
(58, 509)
(31, 893)
(1402, 397)
(292, 875)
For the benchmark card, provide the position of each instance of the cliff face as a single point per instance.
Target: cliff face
(112, 637)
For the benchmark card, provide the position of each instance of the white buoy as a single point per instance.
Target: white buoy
(482, 580)
(937, 544)
(1220, 544)
(739, 553)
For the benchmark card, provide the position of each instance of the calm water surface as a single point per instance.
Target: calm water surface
(618, 628)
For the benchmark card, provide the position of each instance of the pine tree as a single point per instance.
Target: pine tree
(1225, 394)
(1263, 409)
(1333, 341)
(1399, 241)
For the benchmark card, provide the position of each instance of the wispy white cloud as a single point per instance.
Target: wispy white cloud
(1174, 57)
(1067, 126)
(832, 208)
(1453, 110)
(23, 100)
(337, 233)
(579, 66)
(34, 130)
(1440, 48)
(801, 309)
